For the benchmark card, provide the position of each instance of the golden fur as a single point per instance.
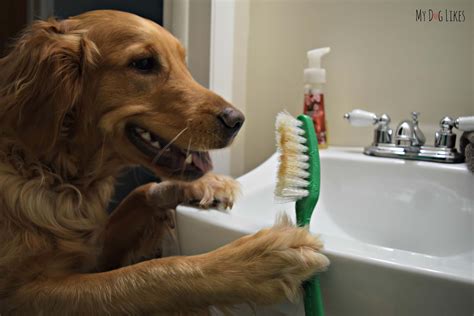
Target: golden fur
(66, 93)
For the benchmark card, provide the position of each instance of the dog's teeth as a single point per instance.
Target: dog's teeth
(139, 130)
(156, 144)
(189, 159)
(146, 136)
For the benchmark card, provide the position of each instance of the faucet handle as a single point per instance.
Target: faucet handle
(382, 134)
(464, 123)
(359, 117)
(445, 137)
(446, 124)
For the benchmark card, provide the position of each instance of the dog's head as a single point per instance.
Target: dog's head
(117, 78)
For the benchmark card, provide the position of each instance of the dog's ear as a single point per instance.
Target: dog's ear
(41, 81)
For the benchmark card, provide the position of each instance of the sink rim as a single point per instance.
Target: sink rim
(431, 266)
(455, 268)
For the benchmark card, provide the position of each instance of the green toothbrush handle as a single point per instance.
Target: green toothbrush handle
(313, 303)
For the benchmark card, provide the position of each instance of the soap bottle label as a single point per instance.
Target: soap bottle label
(314, 108)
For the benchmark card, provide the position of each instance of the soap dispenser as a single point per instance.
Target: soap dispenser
(314, 80)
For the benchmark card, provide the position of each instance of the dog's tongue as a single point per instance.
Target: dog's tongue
(202, 161)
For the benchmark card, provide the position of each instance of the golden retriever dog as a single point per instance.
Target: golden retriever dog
(80, 99)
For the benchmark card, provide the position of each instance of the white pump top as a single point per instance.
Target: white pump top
(314, 73)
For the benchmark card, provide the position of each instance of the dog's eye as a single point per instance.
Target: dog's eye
(144, 64)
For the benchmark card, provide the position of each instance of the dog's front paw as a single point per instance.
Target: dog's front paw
(212, 190)
(272, 264)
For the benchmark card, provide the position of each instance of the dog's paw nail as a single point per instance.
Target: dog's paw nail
(222, 207)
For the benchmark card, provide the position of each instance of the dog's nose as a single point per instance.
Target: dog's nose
(232, 119)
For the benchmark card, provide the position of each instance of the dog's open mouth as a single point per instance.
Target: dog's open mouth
(178, 162)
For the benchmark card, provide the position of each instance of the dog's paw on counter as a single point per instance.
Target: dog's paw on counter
(212, 191)
(271, 265)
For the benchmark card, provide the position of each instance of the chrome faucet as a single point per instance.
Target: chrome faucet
(408, 142)
(408, 134)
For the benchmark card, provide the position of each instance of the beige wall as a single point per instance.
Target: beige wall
(381, 61)
(190, 22)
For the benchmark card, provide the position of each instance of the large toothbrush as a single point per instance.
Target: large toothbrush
(299, 180)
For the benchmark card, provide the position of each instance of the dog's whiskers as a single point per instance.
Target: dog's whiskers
(160, 153)
(187, 153)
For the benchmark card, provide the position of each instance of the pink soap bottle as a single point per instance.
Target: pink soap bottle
(315, 78)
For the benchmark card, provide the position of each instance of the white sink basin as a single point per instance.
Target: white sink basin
(399, 233)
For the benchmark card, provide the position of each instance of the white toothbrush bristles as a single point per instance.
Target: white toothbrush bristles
(292, 180)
